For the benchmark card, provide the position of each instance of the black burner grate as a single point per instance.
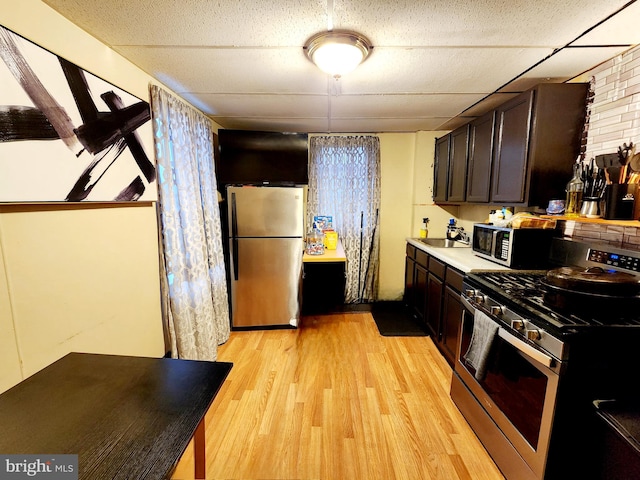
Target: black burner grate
(527, 291)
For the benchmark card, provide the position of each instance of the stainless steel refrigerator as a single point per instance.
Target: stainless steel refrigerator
(266, 226)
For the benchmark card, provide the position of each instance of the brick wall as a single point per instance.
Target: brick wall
(615, 112)
(614, 119)
(616, 235)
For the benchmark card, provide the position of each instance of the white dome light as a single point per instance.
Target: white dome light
(337, 52)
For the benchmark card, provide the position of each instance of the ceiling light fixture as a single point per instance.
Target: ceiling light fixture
(337, 52)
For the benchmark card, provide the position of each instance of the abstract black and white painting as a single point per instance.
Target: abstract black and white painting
(67, 135)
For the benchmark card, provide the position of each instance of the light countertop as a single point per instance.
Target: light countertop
(336, 255)
(461, 258)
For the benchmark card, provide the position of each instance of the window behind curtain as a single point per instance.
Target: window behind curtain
(344, 181)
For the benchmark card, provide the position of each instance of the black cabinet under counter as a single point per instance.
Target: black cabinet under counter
(323, 281)
(618, 433)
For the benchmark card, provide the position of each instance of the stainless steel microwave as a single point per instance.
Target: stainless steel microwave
(513, 247)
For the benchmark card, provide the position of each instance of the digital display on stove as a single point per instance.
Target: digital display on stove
(615, 260)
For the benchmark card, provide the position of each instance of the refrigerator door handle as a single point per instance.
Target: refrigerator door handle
(234, 235)
(235, 259)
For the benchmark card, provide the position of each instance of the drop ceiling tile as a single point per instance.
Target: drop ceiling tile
(431, 70)
(228, 70)
(396, 106)
(197, 22)
(273, 124)
(621, 29)
(539, 23)
(260, 105)
(571, 61)
(365, 125)
(290, 22)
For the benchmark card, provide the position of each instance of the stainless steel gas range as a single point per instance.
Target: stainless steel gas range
(538, 347)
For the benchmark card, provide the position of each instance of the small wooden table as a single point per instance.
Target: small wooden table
(125, 417)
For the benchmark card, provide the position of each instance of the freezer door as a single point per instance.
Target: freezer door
(266, 277)
(266, 211)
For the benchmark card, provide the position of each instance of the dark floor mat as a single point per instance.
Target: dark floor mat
(393, 320)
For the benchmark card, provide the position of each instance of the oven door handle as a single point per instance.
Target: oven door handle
(467, 304)
(528, 350)
(523, 347)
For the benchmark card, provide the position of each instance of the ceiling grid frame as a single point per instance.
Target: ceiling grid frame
(435, 64)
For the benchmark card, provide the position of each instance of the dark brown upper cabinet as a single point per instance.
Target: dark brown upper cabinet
(522, 153)
(480, 158)
(537, 140)
(512, 146)
(458, 154)
(441, 169)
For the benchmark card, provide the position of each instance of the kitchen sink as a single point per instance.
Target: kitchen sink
(443, 243)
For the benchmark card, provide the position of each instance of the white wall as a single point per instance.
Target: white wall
(76, 278)
(80, 279)
(397, 156)
(423, 206)
(406, 198)
(10, 371)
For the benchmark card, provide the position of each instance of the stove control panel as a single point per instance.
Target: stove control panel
(617, 260)
(525, 329)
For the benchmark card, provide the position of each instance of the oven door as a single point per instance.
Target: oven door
(518, 390)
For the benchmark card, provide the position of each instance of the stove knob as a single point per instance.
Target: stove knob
(517, 325)
(479, 299)
(470, 293)
(533, 334)
(497, 310)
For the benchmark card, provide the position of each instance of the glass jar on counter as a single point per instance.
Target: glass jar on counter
(575, 189)
(314, 244)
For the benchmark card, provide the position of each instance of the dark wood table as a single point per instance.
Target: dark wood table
(125, 417)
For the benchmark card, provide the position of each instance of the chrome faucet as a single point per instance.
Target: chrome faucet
(456, 233)
(463, 236)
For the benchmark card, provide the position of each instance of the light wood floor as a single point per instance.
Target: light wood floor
(335, 400)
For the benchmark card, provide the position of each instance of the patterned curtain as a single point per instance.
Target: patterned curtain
(193, 280)
(344, 181)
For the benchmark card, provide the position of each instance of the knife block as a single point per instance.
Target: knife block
(621, 201)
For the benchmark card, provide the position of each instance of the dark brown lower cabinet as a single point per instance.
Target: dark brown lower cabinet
(432, 293)
(451, 317)
(420, 292)
(409, 274)
(434, 306)
(415, 281)
(451, 314)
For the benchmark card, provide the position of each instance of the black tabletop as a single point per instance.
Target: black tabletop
(125, 417)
